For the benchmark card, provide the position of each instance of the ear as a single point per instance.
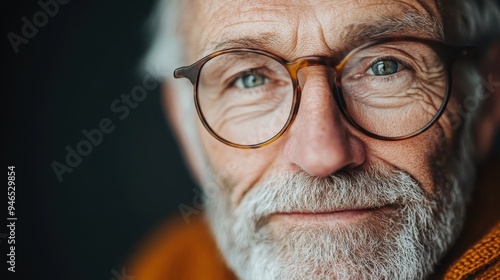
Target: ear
(182, 120)
(489, 124)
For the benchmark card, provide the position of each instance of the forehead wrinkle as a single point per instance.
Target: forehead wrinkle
(250, 17)
(278, 24)
(354, 35)
(271, 32)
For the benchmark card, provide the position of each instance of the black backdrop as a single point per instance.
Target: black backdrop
(61, 81)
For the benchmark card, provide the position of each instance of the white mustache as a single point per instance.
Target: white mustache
(350, 190)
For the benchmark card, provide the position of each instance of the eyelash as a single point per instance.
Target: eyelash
(234, 78)
(404, 63)
(390, 78)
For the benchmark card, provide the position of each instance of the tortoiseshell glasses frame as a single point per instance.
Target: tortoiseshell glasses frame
(447, 53)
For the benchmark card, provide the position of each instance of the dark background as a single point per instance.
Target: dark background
(59, 83)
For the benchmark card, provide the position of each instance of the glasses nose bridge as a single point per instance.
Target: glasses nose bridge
(329, 64)
(309, 61)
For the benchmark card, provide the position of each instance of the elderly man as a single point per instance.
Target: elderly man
(332, 139)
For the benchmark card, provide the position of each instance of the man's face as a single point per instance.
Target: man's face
(325, 199)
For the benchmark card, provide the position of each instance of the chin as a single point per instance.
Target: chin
(371, 224)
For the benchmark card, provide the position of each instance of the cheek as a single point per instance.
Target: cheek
(236, 170)
(419, 156)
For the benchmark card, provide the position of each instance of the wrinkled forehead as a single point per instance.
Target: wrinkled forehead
(288, 27)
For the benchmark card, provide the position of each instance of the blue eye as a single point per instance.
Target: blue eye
(250, 80)
(385, 67)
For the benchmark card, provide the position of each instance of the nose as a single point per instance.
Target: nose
(318, 141)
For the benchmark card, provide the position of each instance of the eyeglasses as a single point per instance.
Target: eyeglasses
(388, 89)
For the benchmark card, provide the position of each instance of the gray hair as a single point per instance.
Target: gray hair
(166, 50)
(472, 21)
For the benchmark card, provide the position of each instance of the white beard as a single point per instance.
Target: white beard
(402, 244)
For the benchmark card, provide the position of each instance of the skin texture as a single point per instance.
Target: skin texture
(319, 142)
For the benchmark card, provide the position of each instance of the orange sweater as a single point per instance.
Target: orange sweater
(188, 252)
(481, 261)
(181, 252)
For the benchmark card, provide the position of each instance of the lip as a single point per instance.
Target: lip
(337, 216)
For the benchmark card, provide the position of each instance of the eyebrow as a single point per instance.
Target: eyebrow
(410, 22)
(353, 35)
(262, 42)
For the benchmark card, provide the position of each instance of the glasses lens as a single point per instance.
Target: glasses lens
(394, 89)
(245, 98)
